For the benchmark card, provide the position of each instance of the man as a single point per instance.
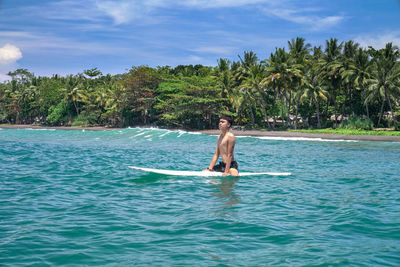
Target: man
(225, 147)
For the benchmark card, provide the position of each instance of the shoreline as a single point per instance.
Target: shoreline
(277, 134)
(252, 133)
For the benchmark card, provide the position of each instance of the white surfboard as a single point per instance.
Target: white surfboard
(206, 174)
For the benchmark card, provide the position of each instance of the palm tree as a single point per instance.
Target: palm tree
(225, 78)
(249, 59)
(315, 90)
(361, 72)
(299, 52)
(385, 76)
(253, 84)
(332, 69)
(281, 74)
(348, 73)
(74, 90)
(245, 74)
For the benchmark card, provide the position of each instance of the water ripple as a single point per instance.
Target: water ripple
(67, 197)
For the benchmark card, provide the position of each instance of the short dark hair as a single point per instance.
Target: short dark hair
(227, 118)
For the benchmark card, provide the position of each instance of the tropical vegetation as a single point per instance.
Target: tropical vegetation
(295, 87)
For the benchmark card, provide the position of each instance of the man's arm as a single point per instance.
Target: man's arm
(231, 146)
(215, 157)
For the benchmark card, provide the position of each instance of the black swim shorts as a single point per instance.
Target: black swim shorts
(220, 167)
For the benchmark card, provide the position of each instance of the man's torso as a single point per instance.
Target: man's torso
(223, 142)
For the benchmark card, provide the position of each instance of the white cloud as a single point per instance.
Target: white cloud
(221, 3)
(219, 50)
(300, 16)
(122, 12)
(9, 54)
(194, 59)
(151, 11)
(125, 11)
(378, 41)
(46, 44)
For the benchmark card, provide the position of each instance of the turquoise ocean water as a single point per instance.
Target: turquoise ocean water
(68, 197)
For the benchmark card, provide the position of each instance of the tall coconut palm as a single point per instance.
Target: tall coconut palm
(385, 76)
(299, 52)
(348, 73)
(315, 90)
(74, 90)
(332, 69)
(281, 74)
(225, 78)
(243, 73)
(361, 72)
(253, 84)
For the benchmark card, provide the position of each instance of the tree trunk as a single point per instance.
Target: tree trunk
(327, 106)
(318, 122)
(263, 107)
(252, 116)
(282, 106)
(288, 101)
(334, 110)
(366, 107)
(390, 106)
(381, 112)
(297, 112)
(76, 107)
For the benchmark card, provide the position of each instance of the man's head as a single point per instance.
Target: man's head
(225, 122)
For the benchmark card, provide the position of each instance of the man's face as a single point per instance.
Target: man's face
(223, 124)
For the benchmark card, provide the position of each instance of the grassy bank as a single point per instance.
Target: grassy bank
(350, 132)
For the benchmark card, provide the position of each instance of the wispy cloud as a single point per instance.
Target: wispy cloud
(46, 44)
(218, 50)
(221, 3)
(126, 11)
(155, 11)
(303, 16)
(378, 41)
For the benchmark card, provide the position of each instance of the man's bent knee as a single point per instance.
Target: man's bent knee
(234, 172)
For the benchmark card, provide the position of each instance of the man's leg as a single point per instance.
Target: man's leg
(233, 172)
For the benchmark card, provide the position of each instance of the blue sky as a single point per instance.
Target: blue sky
(68, 36)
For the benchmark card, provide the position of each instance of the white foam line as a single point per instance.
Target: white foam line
(164, 134)
(40, 129)
(181, 133)
(303, 139)
(138, 134)
(147, 136)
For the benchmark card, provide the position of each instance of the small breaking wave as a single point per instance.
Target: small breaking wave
(303, 139)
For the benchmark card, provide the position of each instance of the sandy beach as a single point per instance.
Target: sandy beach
(258, 133)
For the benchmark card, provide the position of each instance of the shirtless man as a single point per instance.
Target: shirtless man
(225, 147)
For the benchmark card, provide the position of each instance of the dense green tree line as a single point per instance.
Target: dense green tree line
(301, 86)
